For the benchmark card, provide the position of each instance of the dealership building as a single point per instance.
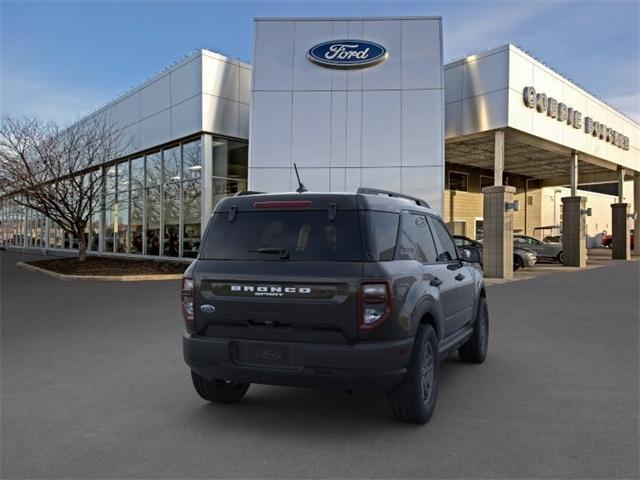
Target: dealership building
(495, 141)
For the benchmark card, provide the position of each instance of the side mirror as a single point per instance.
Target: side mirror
(470, 254)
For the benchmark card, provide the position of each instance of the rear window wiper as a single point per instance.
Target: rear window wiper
(283, 252)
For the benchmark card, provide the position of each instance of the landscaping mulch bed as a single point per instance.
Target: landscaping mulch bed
(104, 266)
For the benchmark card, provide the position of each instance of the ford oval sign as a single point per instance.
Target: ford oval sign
(347, 54)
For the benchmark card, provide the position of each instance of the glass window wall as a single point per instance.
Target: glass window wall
(191, 207)
(153, 173)
(123, 176)
(136, 222)
(110, 179)
(153, 220)
(150, 205)
(191, 160)
(121, 223)
(172, 176)
(94, 229)
(191, 198)
(171, 210)
(109, 206)
(121, 210)
(137, 173)
(229, 168)
(172, 168)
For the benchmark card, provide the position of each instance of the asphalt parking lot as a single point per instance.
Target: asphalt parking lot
(94, 386)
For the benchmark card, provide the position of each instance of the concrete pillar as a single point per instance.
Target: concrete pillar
(206, 200)
(620, 249)
(574, 173)
(636, 210)
(620, 185)
(498, 158)
(498, 232)
(574, 247)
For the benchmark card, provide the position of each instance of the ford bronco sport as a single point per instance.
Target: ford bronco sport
(346, 291)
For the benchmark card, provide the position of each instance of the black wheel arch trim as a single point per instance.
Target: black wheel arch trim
(430, 312)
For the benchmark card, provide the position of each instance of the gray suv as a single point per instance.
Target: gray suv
(331, 290)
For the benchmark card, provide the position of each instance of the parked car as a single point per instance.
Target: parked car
(607, 240)
(552, 239)
(549, 251)
(346, 291)
(522, 257)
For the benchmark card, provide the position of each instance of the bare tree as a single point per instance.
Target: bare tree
(56, 171)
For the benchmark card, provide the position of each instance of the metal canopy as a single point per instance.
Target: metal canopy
(520, 157)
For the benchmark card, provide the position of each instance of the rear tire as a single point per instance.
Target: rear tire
(219, 391)
(415, 399)
(475, 349)
(517, 263)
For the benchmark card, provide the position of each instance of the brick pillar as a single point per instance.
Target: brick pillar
(620, 249)
(497, 255)
(574, 246)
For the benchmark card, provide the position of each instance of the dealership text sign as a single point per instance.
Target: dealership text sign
(570, 116)
(347, 54)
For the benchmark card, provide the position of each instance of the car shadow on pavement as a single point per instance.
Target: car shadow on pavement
(289, 410)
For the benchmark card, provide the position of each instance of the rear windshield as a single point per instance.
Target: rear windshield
(284, 235)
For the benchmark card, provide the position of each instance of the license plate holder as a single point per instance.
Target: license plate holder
(267, 354)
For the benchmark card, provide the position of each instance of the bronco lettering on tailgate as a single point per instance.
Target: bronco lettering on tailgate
(269, 291)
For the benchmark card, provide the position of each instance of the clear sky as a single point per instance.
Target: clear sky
(61, 59)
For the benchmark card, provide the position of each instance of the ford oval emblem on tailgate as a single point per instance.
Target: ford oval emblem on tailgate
(268, 354)
(206, 308)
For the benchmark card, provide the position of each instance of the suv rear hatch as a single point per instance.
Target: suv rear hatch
(281, 268)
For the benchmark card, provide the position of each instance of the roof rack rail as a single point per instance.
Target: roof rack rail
(242, 193)
(377, 191)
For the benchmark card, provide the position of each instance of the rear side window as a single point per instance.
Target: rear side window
(446, 247)
(303, 235)
(383, 232)
(416, 242)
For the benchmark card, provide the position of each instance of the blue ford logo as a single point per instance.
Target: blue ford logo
(206, 308)
(347, 54)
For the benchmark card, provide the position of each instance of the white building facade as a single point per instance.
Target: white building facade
(353, 102)
(186, 132)
(378, 125)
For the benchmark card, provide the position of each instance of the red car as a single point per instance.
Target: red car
(608, 239)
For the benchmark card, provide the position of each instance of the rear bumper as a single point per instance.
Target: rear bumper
(378, 366)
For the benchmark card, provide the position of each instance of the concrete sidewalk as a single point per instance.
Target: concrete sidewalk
(596, 257)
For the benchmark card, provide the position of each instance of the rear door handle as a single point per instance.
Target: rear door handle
(459, 277)
(435, 282)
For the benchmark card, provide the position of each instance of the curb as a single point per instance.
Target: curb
(103, 278)
(501, 281)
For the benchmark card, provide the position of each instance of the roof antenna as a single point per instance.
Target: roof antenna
(301, 188)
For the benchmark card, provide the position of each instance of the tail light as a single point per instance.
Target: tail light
(186, 299)
(374, 304)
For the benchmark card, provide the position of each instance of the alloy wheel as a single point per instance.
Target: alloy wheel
(427, 372)
(483, 331)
